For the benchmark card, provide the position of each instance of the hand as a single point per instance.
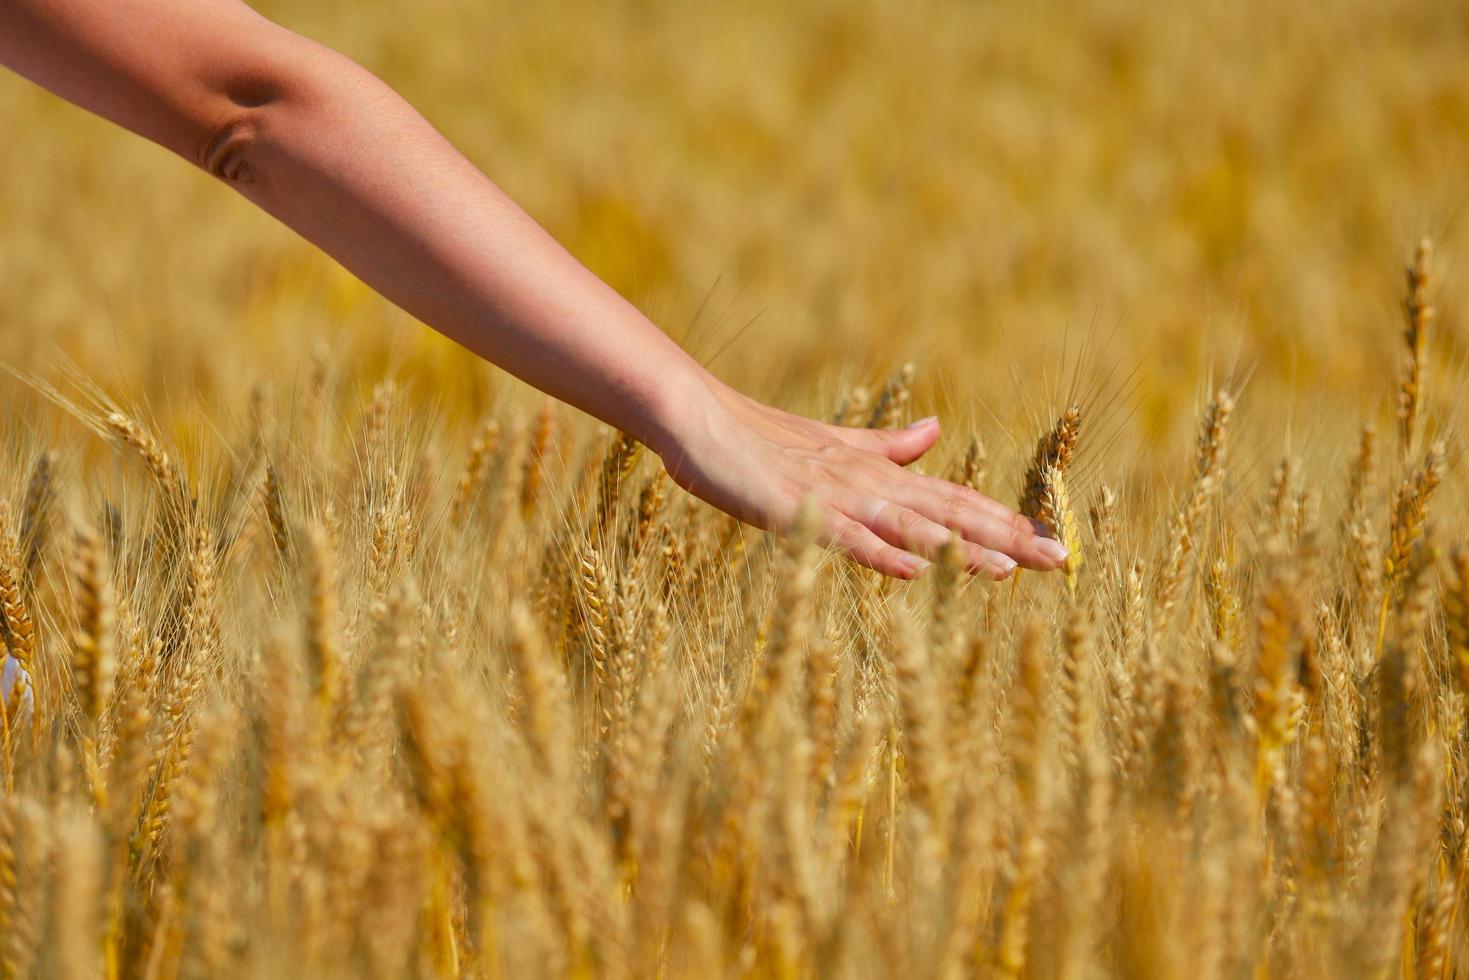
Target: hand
(759, 463)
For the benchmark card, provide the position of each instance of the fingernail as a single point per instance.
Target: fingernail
(924, 421)
(1052, 549)
(1006, 563)
(915, 564)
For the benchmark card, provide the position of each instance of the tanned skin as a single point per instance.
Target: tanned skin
(334, 153)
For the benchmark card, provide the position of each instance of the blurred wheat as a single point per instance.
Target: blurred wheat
(344, 656)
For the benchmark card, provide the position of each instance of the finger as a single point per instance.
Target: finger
(989, 505)
(908, 529)
(1015, 537)
(902, 446)
(867, 549)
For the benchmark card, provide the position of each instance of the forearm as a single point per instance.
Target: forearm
(339, 157)
(330, 150)
(348, 164)
(321, 144)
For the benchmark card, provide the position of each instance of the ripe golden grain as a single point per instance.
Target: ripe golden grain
(545, 714)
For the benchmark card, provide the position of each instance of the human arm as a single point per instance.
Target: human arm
(330, 150)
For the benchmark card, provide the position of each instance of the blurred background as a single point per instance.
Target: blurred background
(1011, 195)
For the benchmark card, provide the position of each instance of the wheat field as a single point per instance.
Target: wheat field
(346, 655)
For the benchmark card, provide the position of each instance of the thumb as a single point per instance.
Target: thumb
(902, 446)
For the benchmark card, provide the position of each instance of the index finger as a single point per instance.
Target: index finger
(944, 489)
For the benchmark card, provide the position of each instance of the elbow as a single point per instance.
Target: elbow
(229, 143)
(260, 114)
(259, 109)
(228, 149)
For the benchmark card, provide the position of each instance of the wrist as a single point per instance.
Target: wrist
(681, 407)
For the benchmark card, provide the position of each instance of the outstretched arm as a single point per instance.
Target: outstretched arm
(323, 145)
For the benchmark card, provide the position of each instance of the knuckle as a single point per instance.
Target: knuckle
(957, 505)
(957, 495)
(847, 533)
(909, 519)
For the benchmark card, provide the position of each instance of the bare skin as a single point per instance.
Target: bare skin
(327, 148)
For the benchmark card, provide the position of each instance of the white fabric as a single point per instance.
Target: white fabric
(14, 672)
